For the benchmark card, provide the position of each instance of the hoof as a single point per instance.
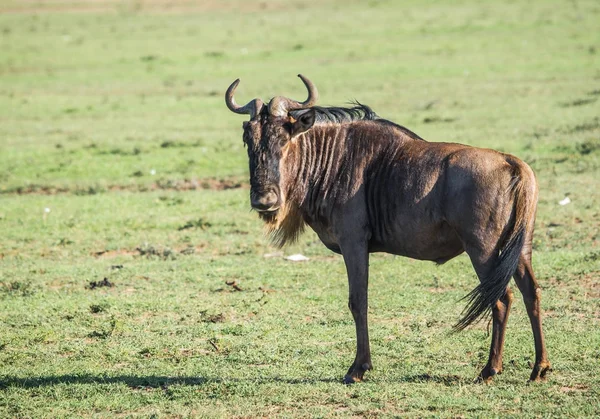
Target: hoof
(486, 375)
(348, 379)
(355, 374)
(539, 371)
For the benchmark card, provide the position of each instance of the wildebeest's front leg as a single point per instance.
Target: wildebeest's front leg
(356, 258)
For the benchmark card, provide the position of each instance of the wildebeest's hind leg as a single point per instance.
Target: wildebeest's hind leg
(484, 261)
(499, 319)
(528, 286)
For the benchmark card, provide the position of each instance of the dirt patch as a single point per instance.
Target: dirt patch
(167, 185)
(588, 282)
(209, 183)
(99, 284)
(574, 388)
(148, 251)
(109, 254)
(211, 318)
(234, 285)
(36, 189)
(591, 284)
(193, 224)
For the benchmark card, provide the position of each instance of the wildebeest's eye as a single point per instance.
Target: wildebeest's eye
(247, 135)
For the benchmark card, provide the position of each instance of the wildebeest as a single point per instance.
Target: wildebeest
(365, 184)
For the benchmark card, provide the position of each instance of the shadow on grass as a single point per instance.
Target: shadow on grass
(142, 381)
(158, 381)
(447, 380)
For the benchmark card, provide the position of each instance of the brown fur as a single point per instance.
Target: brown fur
(365, 185)
(285, 226)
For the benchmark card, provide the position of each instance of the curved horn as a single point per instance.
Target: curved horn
(313, 93)
(280, 105)
(251, 108)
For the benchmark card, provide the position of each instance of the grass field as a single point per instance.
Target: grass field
(133, 277)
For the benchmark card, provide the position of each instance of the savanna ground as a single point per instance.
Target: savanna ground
(133, 277)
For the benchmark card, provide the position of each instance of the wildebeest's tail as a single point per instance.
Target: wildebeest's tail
(492, 288)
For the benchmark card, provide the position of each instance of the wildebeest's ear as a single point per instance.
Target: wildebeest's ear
(301, 120)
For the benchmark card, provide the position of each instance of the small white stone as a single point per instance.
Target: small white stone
(297, 258)
(565, 201)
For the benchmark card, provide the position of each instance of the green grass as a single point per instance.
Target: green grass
(111, 111)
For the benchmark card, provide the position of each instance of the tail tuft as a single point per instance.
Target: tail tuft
(491, 289)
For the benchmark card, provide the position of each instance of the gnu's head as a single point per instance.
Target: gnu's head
(266, 133)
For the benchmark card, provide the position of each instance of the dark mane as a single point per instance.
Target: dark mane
(358, 112)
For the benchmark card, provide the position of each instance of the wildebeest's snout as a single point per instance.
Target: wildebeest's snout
(265, 201)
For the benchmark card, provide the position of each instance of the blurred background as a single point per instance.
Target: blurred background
(110, 89)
